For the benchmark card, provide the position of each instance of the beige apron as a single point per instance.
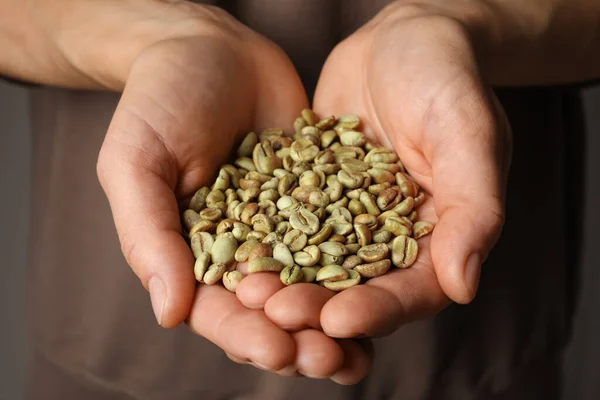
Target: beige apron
(93, 331)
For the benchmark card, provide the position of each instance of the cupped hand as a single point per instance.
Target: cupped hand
(187, 102)
(411, 75)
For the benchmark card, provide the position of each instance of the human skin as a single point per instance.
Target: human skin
(419, 75)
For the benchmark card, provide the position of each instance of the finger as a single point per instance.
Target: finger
(138, 179)
(317, 356)
(255, 289)
(358, 359)
(297, 306)
(245, 334)
(384, 303)
(289, 370)
(468, 188)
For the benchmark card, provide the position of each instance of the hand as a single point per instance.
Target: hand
(186, 103)
(413, 79)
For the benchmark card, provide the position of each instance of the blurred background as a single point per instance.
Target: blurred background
(582, 360)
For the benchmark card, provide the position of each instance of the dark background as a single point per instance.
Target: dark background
(582, 360)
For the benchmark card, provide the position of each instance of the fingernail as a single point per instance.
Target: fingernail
(311, 376)
(288, 370)
(261, 366)
(157, 297)
(472, 273)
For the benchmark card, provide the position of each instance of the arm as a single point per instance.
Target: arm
(529, 42)
(86, 44)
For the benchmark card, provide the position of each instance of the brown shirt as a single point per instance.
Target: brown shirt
(93, 331)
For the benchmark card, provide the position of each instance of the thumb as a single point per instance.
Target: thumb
(469, 169)
(138, 179)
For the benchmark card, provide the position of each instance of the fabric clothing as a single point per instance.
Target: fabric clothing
(94, 334)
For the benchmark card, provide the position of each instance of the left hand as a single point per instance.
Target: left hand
(411, 76)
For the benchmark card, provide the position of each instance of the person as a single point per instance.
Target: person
(194, 78)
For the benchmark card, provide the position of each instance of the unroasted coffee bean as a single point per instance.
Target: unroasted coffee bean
(201, 265)
(397, 226)
(223, 249)
(422, 228)
(273, 238)
(262, 223)
(332, 273)
(291, 274)
(405, 207)
(353, 248)
(367, 219)
(198, 201)
(201, 242)
(308, 257)
(374, 269)
(385, 215)
(282, 253)
(381, 236)
(211, 214)
(264, 264)
(214, 273)
(243, 252)
(363, 234)
(369, 202)
(304, 221)
(240, 231)
(389, 198)
(247, 145)
(333, 248)
(373, 252)
(412, 216)
(351, 238)
(222, 182)
(264, 158)
(419, 199)
(190, 218)
(321, 236)
(337, 286)
(231, 280)
(352, 261)
(356, 207)
(260, 250)
(381, 154)
(203, 226)
(381, 175)
(295, 239)
(404, 251)
(337, 238)
(352, 138)
(256, 235)
(407, 186)
(328, 259)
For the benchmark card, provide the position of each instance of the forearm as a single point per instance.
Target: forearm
(80, 43)
(530, 42)
(541, 41)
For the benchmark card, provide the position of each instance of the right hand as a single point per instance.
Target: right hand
(187, 100)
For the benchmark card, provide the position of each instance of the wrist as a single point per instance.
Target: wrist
(99, 40)
(497, 34)
(526, 42)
